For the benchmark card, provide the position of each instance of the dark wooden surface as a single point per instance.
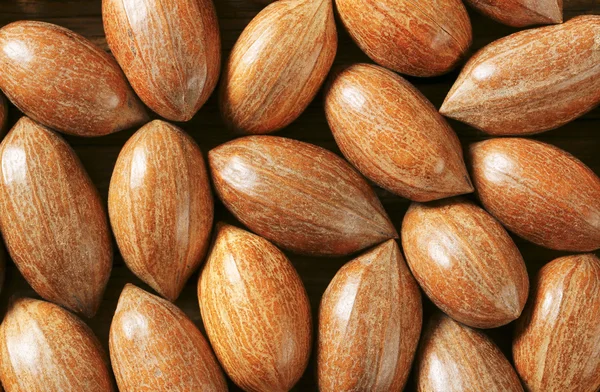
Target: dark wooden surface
(581, 138)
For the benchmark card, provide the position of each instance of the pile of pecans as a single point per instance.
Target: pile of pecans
(302, 198)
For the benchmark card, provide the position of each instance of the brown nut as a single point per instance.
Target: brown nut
(64, 81)
(45, 348)
(531, 81)
(455, 358)
(466, 262)
(558, 337)
(369, 324)
(154, 346)
(427, 38)
(161, 206)
(539, 192)
(388, 130)
(169, 50)
(256, 311)
(52, 218)
(300, 196)
(521, 13)
(277, 65)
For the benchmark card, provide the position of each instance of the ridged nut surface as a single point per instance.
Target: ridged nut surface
(154, 346)
(256, 311)
(388, 130)
(455, 358)
(539, 192)
(427, 38)
(64, 81)
(557, 341)
(45, 348)
(466, 262)
(277, 65)
(369, 324)
(52, 219)
(161, 206)
(521, 13)
(298, 195)
(169, 50)
(531, 81)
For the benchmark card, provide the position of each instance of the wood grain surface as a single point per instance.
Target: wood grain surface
(581, 138)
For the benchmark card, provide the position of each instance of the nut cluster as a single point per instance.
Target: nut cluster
(289, 195)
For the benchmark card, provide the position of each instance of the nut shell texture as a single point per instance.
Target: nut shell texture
(300, 196)
(388, 130)
(45, 348)
(161, 206)
(521, 13)
(169, 50)
(369, 324)
(531, 81)
(277, 65)
(256, 311)
(62, 80)
(154, 347)
(52, 218)
(425, 38)
(465, 262)
(557, 340)
(455, 358)
(539, 192)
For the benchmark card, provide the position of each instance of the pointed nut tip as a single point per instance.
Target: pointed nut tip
(169, 295)
(89, 311)
(446, 108)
